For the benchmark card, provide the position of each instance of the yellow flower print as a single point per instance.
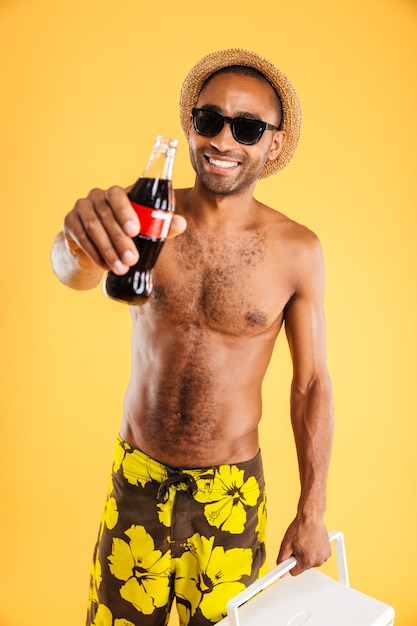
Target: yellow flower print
(130, 470)
(233, 494)
(125, 457)
(105, 618)
(184, 614)
(165, 509)
(146, 571)
(95, 574)
(111, 512)
(119, 453)
(262, 516)
(212, 580)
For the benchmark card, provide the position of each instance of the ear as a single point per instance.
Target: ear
(276, 145)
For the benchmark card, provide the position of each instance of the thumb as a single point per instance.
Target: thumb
(286, 551)
(178, 225)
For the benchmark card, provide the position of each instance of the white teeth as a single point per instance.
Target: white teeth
(223, 164)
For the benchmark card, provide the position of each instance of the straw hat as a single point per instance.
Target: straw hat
(291, 110)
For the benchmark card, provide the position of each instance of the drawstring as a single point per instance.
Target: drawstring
(175, 479)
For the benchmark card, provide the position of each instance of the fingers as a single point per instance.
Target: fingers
(285, 552)
(99, 230)
(102, 226)
(303, 563)
(308, 543)
(308, 559)
(304, 560)
(117, 199)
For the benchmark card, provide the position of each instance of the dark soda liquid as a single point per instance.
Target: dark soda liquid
(135, 286)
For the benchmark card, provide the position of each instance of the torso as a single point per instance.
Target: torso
(202, 343)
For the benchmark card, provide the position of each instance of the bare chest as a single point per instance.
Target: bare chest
(236, 286)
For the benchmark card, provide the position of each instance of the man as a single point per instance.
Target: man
(185, 514)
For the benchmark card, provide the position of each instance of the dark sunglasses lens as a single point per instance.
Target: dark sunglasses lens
(207, 123)
(210, 123)
(248, 131)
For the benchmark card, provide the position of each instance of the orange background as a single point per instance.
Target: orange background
(86, 85)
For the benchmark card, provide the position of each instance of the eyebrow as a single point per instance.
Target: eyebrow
(217, 109)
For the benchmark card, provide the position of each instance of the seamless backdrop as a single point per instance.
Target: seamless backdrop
(86, 85)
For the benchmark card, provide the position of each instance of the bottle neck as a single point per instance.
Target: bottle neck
(161, 161)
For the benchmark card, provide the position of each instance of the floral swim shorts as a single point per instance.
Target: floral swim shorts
(196, 535)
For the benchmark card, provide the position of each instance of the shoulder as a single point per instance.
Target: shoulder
(298, 250)
(299, 239)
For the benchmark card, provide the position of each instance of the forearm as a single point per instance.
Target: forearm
(312, 422)
(70, 270)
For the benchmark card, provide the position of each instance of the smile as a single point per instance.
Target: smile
(222, 164)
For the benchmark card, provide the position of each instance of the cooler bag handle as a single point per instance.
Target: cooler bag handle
(282, 569)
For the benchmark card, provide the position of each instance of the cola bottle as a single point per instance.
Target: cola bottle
(152, 197)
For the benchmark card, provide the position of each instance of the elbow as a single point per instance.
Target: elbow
(318, 382)
(312, 401)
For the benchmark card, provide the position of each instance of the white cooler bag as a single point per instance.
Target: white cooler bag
(310, 599)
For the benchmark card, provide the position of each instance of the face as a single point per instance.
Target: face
(223, 165)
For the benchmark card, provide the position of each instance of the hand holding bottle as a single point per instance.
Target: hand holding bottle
(103, 230)
(90, 245)
(99, 230)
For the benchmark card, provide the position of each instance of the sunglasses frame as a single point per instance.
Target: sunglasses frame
(232, 121)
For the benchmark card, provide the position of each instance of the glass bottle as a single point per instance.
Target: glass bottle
(152, 197)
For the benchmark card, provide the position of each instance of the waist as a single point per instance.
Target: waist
(144, 467)
(207, 434)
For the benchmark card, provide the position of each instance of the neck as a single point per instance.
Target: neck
(220, 210)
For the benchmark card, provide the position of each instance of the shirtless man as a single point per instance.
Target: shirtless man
(185, 515)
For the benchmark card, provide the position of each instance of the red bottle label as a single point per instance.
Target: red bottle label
(154, 223)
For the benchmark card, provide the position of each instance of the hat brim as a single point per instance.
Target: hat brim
(291, 109)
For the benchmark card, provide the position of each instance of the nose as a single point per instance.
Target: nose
(224, 140)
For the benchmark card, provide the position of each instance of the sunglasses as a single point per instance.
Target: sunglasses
(244, 129)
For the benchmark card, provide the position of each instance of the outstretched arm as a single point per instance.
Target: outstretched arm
(311, 410)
